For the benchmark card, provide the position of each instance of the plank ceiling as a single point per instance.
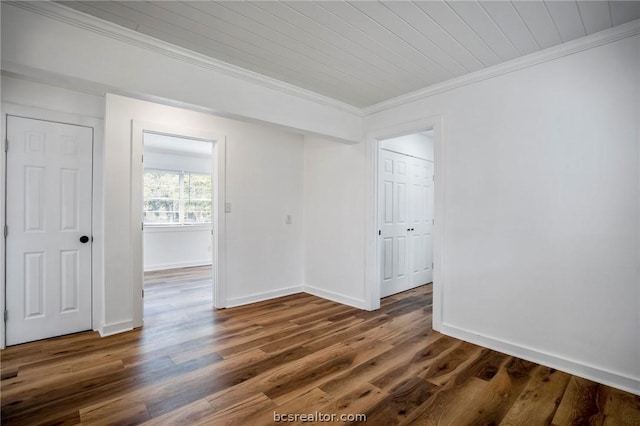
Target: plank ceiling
(364, 52)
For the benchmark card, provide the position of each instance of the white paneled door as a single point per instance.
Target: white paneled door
(49, 181)
(421, 201)
(406, 222)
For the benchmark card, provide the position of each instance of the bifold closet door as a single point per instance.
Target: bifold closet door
(406, 222)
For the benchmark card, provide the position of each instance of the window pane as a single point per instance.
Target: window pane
(161, 184)
(158, 211)
(197, 186)
(166, 203)
(197, 211)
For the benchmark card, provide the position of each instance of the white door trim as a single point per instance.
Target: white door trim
(372, 240)
(219, 217)
(97, 259)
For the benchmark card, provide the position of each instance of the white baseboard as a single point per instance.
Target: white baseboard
(163, 266)
(259, 297)
(593, 373)
(115, 328)
(336, 297)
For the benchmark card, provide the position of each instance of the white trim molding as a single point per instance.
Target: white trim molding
(336, 297)
(115, 328)
(580, 369)
(88, 22)
(165, 266)
(609, 35)
(259, 297)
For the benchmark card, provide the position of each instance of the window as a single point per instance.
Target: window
(176, 197)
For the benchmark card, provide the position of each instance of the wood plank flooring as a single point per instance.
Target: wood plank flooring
(300, 354)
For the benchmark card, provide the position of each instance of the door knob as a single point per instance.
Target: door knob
(84, 239)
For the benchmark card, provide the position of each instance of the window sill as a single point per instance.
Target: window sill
(177, 228)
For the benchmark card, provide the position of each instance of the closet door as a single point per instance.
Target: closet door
(421, 221)
(406, 222)
(49, 184)
(394, 222)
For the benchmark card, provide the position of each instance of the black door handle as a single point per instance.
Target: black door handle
(84, 239)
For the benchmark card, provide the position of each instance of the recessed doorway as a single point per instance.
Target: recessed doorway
(177, 214)
(405, 211)
(177, 207)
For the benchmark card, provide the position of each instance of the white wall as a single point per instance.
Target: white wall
(48, 41)
(32, 94)
(263, 184)
(541, 211)
(334, 230)
(167, 247)
(418, 145)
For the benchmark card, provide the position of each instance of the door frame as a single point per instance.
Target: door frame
(97, 224)
(218, 221)
(372, 239)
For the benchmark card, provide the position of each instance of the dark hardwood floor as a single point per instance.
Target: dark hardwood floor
(300, 354)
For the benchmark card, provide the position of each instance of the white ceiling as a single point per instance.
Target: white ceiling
(364, 52)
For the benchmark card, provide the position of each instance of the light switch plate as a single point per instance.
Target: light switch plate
(227, 207)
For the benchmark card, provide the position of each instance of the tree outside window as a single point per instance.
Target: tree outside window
(176, 197)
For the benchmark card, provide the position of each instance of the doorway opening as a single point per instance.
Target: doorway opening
(405, 211)
(432, 125)
(177, 222)
(182, 213)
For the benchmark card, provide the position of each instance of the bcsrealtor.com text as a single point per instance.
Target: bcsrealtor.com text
(318, 417)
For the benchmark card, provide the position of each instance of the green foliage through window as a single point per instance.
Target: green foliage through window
(176, 198)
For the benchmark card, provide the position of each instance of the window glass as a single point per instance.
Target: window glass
(197, 206)
(176, 198)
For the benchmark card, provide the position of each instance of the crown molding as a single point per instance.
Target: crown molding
(88, 22)
(609, 35)
(85, 21)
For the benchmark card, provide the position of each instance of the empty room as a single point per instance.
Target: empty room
(326, 212)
